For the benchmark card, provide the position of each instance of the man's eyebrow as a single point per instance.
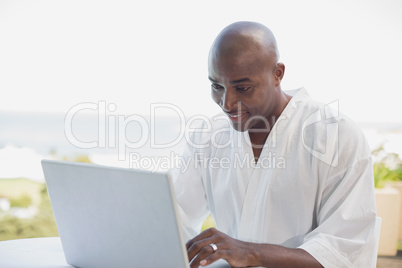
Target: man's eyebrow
(241, 80)
(212, 80)
(234, 81)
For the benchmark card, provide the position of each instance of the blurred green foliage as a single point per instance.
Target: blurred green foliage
(388, 168)
(23, 193)
(17, 187)
(22, 201)
(77, 158)
(42, 225)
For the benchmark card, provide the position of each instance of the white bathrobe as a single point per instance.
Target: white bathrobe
(311, 188)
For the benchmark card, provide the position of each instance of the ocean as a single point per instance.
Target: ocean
(131, 141)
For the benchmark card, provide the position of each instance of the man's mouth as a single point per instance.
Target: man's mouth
(237, 117)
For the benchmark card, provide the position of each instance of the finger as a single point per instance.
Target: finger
(200, 245)
(205, 252)
(219, 254)
(205, 234)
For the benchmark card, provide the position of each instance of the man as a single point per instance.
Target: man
(290, 184)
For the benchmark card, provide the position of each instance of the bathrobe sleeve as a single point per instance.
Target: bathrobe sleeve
(345, 235)
(189, 189)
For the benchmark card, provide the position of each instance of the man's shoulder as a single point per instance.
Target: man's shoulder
(319, 114)
(325, 128)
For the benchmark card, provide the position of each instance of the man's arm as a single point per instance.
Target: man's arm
(241, 254)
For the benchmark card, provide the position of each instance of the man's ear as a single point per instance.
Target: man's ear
(279, 73)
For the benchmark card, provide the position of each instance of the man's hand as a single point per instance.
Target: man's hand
(242, 254)
(200, 253)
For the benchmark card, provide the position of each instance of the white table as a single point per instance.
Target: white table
(33, 253)
(41, 253)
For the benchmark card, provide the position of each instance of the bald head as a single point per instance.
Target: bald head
(246, 76)
(245, 39)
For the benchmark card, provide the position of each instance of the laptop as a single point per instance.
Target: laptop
(115, 217)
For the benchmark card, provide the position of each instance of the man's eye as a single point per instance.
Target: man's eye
(242, 88)
(216, 87)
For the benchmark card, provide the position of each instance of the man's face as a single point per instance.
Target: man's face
(245, 89)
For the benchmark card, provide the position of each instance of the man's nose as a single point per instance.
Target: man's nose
(228, 101)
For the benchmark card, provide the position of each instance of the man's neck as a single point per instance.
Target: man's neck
(258, 137)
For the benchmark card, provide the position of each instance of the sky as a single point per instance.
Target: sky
(57, 54)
